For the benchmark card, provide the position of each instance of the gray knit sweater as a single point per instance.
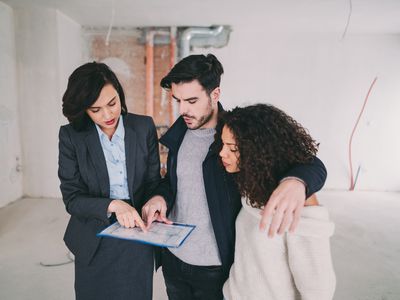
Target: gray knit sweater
(191, 203)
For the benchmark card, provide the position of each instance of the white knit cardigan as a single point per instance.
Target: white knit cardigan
(291, 266)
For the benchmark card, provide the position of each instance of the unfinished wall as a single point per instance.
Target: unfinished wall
(322, 80)
(162, 107)
(318, 78)
(47, 47)
(10, 149)
(126, 56)
(70, 51)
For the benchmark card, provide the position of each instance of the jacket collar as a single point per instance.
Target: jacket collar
(93, 146)
(130, 153)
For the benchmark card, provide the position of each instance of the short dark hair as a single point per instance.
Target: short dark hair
(270, 143)
(206, 69)
(84, 87)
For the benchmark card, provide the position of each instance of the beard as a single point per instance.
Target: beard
(200, 121)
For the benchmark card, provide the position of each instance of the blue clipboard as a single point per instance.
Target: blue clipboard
(160, 234)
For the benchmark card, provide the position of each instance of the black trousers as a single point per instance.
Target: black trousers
(190, 282)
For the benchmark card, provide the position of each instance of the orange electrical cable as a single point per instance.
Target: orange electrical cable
(352, 182)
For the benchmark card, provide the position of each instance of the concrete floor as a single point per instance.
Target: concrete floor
(366, 248)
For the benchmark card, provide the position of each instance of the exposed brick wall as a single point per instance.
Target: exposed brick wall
(127, 49)
(126, 57)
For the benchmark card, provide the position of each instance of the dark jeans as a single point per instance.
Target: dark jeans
(190, 282)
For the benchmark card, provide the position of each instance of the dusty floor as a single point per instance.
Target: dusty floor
(366, 248)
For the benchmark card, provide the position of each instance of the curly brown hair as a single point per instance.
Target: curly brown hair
(270, 143)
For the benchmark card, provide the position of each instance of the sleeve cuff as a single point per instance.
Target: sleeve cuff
(295, 178)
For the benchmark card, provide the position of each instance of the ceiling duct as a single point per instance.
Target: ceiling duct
(203, 37)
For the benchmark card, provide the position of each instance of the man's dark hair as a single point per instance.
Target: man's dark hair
(84, 87)
(206, 69)
(270, 143)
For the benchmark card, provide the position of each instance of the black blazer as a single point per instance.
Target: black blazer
(85, 183)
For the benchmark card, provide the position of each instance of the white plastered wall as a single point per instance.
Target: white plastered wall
(48, 49)
(322, 81)
(10, 144)
(318, 78)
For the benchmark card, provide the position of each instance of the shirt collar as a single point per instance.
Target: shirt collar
(119, 132)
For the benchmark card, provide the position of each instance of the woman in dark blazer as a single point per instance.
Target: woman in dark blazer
(108, 166)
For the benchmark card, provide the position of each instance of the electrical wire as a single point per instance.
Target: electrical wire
(356, 178)
(352, 182)
(70, 260)
(348, 19)
(111, 23)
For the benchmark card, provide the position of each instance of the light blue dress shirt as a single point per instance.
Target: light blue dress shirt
(114, 152)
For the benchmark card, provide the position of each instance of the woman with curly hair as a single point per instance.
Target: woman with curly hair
(260, 143)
